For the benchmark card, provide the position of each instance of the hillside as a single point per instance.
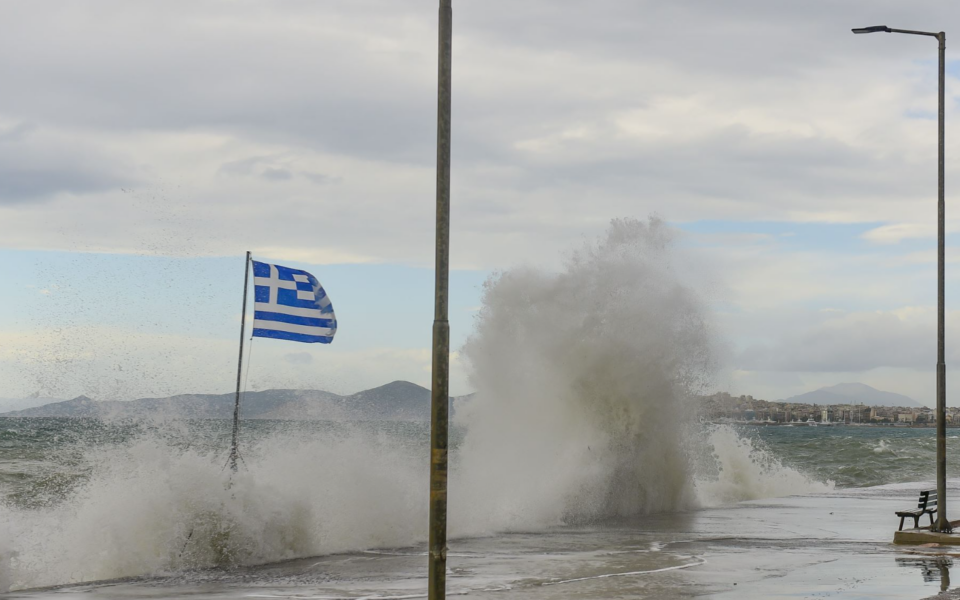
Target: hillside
(396, 401)
(9, 404)
(853, 393)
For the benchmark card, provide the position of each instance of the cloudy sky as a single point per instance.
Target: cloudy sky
(145, 146)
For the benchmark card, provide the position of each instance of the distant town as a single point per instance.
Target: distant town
(722, 407)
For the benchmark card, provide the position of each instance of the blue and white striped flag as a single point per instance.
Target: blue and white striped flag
(290, 304)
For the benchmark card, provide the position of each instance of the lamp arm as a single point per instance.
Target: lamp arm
(911, 32)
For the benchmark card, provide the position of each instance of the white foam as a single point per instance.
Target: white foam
(6, 556)
(741, 469)
(294, 498)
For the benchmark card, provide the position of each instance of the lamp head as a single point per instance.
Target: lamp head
(873, 29)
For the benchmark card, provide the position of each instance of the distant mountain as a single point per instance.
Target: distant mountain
(854, 393)
(8, 404)
(397, 401)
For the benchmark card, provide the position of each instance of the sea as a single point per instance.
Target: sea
(149, 509)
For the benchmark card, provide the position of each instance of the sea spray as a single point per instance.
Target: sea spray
(153, 506)
(736, 467)
(6, 557)
(585, 381)
(582, 413)
(580, 378)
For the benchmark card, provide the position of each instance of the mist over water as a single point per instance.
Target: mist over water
(584, 381)
(581, 377)
(582, 414)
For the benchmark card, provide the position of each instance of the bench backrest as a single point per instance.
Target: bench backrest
(928, 499)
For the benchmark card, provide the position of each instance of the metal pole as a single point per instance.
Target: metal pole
(943, 524)
(440, 395)
(234, 452)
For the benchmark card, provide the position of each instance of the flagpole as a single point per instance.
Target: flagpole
(440, 396)
(234, 452)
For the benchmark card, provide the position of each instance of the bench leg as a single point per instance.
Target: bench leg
(916, 522)
(931, 517)
(901, 524)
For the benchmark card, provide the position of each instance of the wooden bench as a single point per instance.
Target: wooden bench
(926, 504)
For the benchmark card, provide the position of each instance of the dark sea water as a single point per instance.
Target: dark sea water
(852, 456)
(337, 510)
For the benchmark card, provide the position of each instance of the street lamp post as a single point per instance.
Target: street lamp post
(942, 524)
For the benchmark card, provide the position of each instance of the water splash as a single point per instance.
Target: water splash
(582, 413)
(581, 377)
(150, 506)
(742, 468)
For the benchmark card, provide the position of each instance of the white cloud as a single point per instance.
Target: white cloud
(306, 131)
(557, 127)
(895, 233)
(853, 342)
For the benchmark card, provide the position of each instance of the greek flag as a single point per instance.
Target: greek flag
(290, 304)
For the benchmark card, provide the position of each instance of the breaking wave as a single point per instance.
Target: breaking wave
(584, 380)
(150, 506)
(582, 413)
(741, 468)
